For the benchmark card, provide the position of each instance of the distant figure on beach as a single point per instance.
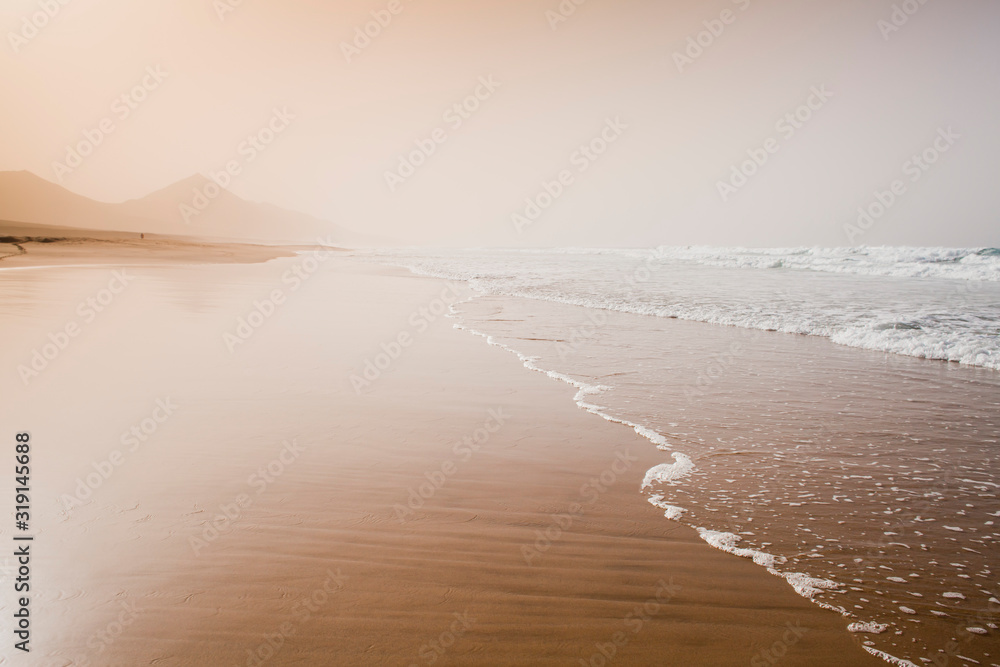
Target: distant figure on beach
(142, 236)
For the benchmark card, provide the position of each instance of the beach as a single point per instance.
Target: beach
(204, 501)
(803, 402)
(543, 333)
(25, 245)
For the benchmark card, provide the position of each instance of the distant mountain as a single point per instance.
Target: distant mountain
(195, 206)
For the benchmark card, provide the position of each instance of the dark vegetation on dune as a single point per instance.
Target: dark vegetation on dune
(31, 239)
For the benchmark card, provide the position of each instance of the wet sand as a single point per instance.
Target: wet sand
(872, 471)
(259, 518)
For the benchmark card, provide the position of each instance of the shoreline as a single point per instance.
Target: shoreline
(762, 358)
(539, 535)
(804, 585)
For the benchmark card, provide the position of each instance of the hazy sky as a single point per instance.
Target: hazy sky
(673, 129)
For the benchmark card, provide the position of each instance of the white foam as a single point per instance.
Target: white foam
(891, 659)
(958, 325)
(974, 264)
(671, 512)
(870, 627)
(982, 483)
(584, 390)
(807, 586)
(668, 473)
(727, 542)
(908, 262)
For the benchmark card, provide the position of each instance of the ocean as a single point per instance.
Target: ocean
(856, 459)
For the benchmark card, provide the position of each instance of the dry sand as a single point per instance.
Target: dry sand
(314, 558)
(25, 245)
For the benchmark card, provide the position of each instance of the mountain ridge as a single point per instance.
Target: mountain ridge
(175, 209)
